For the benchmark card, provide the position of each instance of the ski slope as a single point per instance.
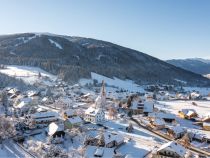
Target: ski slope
(28, 74)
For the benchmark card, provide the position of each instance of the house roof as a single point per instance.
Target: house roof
(188, 112)
(44, 114)
(109, 137)
(174, 147)
(93, 111)
(75, 120)
(162, 115)
(70, 112)
(53, 127)
(178, 129)
(94, 150)
(159, 121)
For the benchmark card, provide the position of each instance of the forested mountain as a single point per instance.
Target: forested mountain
(72, 58)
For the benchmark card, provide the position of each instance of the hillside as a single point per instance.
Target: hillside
(196, 65)
(72, 58)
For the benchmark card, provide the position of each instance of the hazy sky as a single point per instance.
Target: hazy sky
(162, 28)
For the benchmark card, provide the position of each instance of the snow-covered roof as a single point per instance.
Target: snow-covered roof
(162, 115)
(53, 127)
(109, 137)
(178, 129)
(148, 106)
(159, 121)
(93, 111)
(174, 147)
(188, 112)
(94, 150)
(70, 112)
(44, 114)
(75, 120)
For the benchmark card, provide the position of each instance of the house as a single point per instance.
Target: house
(170, 149)
(176, 132)
(187, 113)
(96, 113)
(195, 96)
(167, 117)
(103, 152)
(206, 126)
(112, 139)
(73, 121)
(148, 106)
(136, 107)
(44, 117)
(206, 118)
(158, 123)
(55, 130)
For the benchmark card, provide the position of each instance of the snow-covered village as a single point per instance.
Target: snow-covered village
(101, 117)
(104, 79)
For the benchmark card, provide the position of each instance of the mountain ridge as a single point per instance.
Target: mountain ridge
(72, 58)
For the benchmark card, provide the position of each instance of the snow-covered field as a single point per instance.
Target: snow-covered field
(116, 82)
(202, 108)
(26, 73)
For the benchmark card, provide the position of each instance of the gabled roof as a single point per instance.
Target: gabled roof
(93, 111)
(162, 115)
(188, 112)
(75, 120)
(174, 147)
(53, 127)
(94, 150)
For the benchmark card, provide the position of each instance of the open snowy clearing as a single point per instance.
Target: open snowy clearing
(202, 108)
(116, 82)
(28, 74)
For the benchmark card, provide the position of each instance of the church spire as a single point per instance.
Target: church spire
(103, 93)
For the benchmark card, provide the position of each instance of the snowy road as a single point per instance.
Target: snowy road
(15, 150)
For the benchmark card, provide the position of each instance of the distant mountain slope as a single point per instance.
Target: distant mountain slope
(196, 65)
(72, 58)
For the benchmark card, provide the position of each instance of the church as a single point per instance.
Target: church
(96, 113)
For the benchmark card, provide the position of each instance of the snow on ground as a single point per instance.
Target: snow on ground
(55, 43)
(24, 40)
(207, 75)
(116, 82)
(6, 153)
(142, 141)
(203, 91)
(202, 108)
(27, 73)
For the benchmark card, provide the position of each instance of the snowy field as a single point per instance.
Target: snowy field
(116, 82)
(202, 108)
(28, 74)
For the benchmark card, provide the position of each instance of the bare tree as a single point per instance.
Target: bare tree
(7, 128)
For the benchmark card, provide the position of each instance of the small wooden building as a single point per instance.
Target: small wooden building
(170, 149)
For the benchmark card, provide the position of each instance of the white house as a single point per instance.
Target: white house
(96, 113)
(148, 106)
(171, 149)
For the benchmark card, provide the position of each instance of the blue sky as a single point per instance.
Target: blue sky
(162, 28)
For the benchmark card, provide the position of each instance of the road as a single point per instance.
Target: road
(17, 151)
(192, 149)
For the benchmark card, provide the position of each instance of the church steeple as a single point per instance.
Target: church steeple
(103, 95)
(103, 92)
